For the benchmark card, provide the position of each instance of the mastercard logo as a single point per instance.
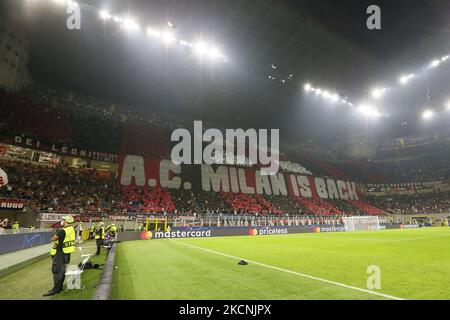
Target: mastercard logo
(146, 235)
(316, 230)
(253, 232)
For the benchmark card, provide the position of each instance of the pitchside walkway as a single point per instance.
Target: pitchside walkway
(10, 262)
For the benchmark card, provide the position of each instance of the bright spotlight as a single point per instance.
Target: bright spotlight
(445, 58)
(168, 37)
(326, 94)
(319, 91)
(405, 79)
(105, 15)
(214, 53)
(153, 33)
(334, 97)
(369, 111)
(435, 63)
(130, 25)
(427, 114)
(307, 87)
(201, 48)
(378, 92)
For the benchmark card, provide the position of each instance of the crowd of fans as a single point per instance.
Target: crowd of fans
(59, 188)
(430, 166)
(413, 204)
(49, 188)
(55, 116)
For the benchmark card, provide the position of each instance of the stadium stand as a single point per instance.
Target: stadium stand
(53, 115)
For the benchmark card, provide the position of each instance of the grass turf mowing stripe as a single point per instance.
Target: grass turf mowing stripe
(293, 272)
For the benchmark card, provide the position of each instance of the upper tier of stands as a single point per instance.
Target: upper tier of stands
(55, 116)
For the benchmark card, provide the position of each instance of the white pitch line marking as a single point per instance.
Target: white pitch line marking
(293, 272)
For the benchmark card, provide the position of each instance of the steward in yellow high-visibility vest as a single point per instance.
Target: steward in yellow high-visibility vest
(99, 236)
(92, 231)
(63, 245)
(15, 226)
(112, 230)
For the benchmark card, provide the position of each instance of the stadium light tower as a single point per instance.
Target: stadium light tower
(427, 114)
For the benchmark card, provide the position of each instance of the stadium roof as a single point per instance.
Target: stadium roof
(322, 41)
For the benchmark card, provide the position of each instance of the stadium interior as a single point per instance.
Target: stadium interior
(87, 118)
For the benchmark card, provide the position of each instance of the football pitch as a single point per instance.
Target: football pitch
(401, 264)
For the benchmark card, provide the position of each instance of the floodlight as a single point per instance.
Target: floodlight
(369, 111)
(105, 15)
(201, 48)
(153, 33)
(214, 53)
(427, 114)
(435, 63)
(129, 24)
(168, 37)
(334, 97)
(378, 92)
(307, 87)
(405, 79)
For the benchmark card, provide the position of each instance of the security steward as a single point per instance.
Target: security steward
(112, 230)
(63, 246)
(99, 236)
(80, 232)
(15, 225)
(92, 231)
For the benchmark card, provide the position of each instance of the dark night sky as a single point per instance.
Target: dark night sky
(324, 42)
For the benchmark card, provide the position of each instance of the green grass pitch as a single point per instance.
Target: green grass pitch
(414, 264)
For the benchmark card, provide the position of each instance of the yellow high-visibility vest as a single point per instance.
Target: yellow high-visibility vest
(97, 236)
(68, 245)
